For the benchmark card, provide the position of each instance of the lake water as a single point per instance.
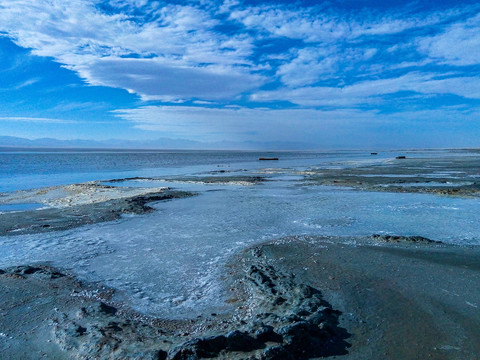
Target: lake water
(169, 262)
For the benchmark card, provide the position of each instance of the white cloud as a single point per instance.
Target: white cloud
(156, 79)
(337, 45)
(95, 44)
(315, 25)
(300, 24)
(307, 67)
(313, 64)
(459, 44)
(367, 92)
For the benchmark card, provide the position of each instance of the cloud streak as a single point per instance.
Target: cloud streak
(371, 92)
(36, 120)
(346, 128)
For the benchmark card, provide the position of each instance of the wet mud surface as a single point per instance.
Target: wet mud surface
(66, 217)
(457, 176)
(242, 180)
(294, 298)
(276, 317)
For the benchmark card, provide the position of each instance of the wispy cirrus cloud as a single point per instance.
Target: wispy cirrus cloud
(458, 44)
(214, 124)
(26, 83)
(21, 85)
(370, 91)
(319, 24)
(36, 120)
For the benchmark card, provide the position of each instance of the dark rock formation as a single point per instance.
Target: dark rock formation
(278, 317)
(286, 320)
(40, 270)
(404, 239)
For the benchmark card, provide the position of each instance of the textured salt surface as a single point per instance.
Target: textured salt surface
(168, 262)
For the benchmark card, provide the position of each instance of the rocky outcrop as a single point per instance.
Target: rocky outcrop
(284, 319)
(276, 317)
(404, 239)
(38, 270)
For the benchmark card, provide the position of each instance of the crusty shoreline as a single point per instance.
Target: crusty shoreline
(68, 206)
(446, 176)
(293, 298)
(91, 203)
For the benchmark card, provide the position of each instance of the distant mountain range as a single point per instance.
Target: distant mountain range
(162, 143)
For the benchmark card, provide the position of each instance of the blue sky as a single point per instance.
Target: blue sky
(332, 74)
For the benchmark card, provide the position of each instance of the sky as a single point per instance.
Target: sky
(313, 74)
